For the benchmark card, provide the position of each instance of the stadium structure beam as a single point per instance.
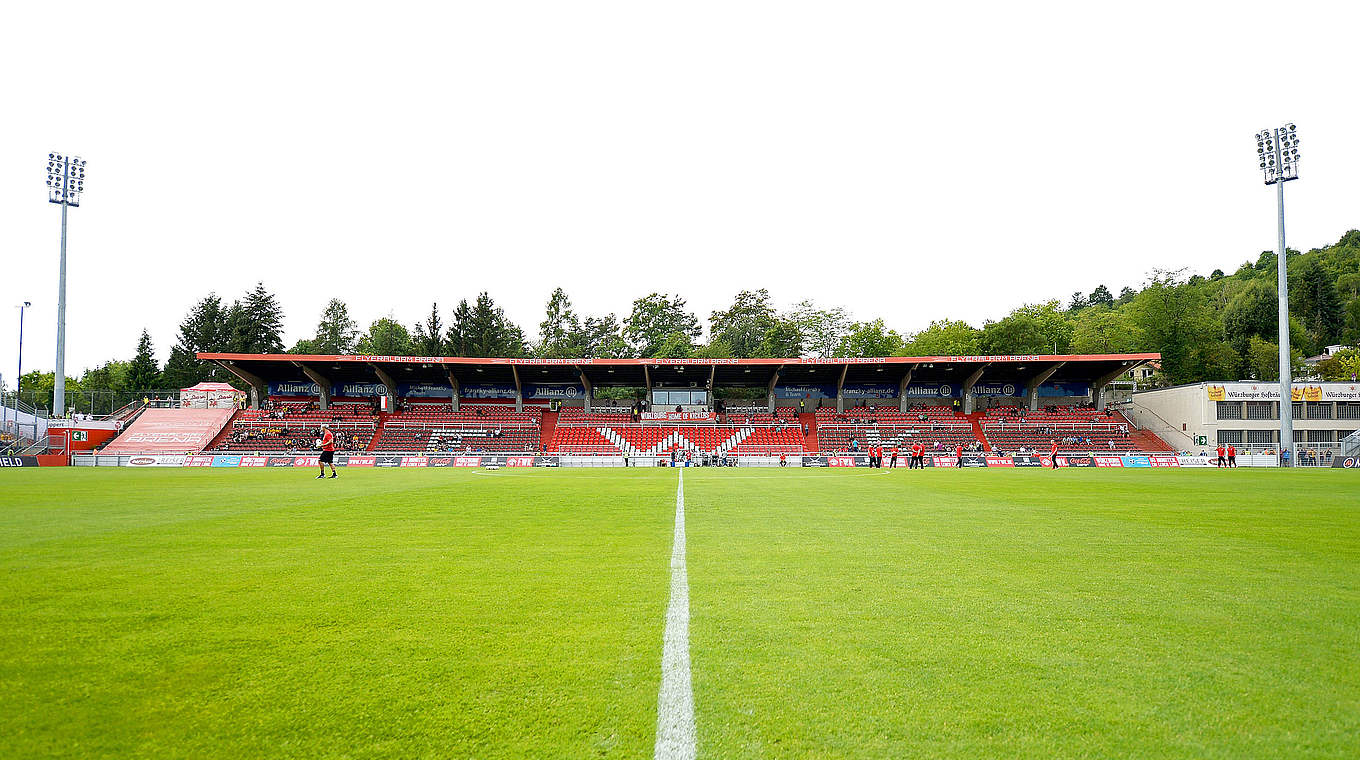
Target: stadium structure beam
(453, 383)
(1098, 385)
(967, 389)
(647, 379)
(258, 387)
(585, 383)
(840, 389)
(323, 386)
(902, 388)
(712, 378)
(519, 389)
(769, 390)
(1032, 387)
(391, 384)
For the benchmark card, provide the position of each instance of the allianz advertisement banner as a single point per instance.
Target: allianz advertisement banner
(554, 390)
(308, 388)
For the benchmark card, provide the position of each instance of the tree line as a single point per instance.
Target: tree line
(1218, 327)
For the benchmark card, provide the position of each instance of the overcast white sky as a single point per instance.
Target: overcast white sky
(910, 162)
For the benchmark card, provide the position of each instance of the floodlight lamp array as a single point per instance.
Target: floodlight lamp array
(1277, 153)
(65, 178)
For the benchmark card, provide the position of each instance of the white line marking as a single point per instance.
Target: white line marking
(675, 702)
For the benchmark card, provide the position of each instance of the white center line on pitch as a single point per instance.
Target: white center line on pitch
(675, 702)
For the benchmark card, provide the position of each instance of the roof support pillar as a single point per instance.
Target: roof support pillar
(453, 383)
(519, 389)
(769, 391)
(902, 389)
(1032, 387)
(259, 389)
(840, 389)
(1098, 398)
(322, 384)
(712, 376)
(585, 383)
(391, 385)
(967, 389)
(647, 380)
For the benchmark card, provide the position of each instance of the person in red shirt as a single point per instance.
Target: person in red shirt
(958, 455)
(918, 455)
(1222, 460)
(892, 463)
(327, 444)
(1053, 452)
(1232, 455)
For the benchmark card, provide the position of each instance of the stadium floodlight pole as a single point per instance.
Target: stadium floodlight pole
(19, 378)
(1277, 152)
(65, 183)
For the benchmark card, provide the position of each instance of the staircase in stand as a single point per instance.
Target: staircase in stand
(976, 419)
(1146, 440)
(220, 438)
(810, 425)
(548, 424)
(377, 432)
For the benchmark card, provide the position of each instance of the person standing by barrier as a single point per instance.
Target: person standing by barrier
(327, 444)
(1232, 455)
(1053, 452)
(1222, 460)
(892, 463)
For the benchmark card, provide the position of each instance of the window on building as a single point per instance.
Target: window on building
(1262, 410)
(1319, 410)
(1230, 436)
(1348, 410)
(1321, 436)
(1261, 436)
(1230, 410)
(1297, 406)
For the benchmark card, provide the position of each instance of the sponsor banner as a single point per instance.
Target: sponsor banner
(439, 461)
(1271, 392)
(840, 461)
(357, 460)
(360, 389)
(18, 461)
(870, 390)
(998, 389)
(198, 460)
(546, 461)
(1076, 460)
(932, 390)
(424, 390)
(680, 416)
(170, 431)
(1107, 461)
(1137, 461)
(804, 390)
(386, 460)
(1164, 460)
(486, 390)
(814, 460)
(1063, 389)
(995, 461)
(519, 461)
(226, 460)
(415, 461)
(969, 460)
(467, 461)
(280, 462)
(254, 461)
(974, 460)
(294, 388)
(156, 460)
(1030, 460)
(311, 461)
(554, 390)
(1349, 463)
(1196, 461)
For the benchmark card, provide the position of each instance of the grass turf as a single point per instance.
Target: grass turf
(447, 613)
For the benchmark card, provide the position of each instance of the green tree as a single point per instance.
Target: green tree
(1103, 331)
(459, 338)
(870, 339)
(428, 337)
(1126, 295)
(1101, 296)
(1254, 311)
(144, 373)
(945, 338)
(255, 325)
(203, 330)
(1342, 366)
(660, 326)
(1177, 322)
(822, 329)
(743, 325)
(560, 330)
(336, 333)
(783, 340)
(1316, 302)
(385, 337)
(1031, 329)
(483, 330)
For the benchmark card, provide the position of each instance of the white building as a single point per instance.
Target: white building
(1247, 414)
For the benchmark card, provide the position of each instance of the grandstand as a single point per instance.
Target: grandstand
(442, 405)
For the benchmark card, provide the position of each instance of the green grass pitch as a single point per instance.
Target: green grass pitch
(834, 613)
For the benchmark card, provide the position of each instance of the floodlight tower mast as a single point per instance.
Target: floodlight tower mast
(1277, 152)
(65, 183)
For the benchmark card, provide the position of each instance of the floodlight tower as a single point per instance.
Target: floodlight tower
(1277, 152)
(65, 183)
